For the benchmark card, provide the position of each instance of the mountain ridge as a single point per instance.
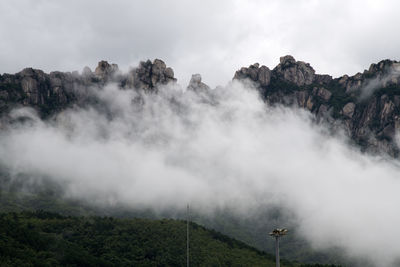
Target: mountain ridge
(366, 105)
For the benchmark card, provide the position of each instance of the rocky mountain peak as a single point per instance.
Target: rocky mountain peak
(287, 61)
(50, 93)
(261, 75)
(367, 104)
(104, 71)
(27, 72)
(288, 70)
(297, 72)
(30, 72)
(149, 74)
(197, 85)
(382, 66)
(379, 75)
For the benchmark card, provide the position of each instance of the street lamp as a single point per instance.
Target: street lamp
(277, 233)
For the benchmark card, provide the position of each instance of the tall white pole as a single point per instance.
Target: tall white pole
(187, 236)
(277, 233)
(277, 251)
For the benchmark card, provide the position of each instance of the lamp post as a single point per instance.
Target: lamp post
(277, 233)
(187, 236)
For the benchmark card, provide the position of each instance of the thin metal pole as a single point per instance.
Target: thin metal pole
(187, 236)
(277, 251)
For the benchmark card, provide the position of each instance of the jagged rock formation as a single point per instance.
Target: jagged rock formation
(49, 93)
(149, 74)
(262, 74)
(105, 71)
(296, 72)
(366, 104)
(30, 87)
(197, 85)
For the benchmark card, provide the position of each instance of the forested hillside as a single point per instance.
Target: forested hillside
(48, 239)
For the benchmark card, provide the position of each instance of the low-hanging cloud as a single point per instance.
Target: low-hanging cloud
(226, 149)
(391, 76)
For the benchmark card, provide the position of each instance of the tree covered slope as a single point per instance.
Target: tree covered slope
(48, 239)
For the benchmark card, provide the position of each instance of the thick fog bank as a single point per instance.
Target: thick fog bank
(223, 149)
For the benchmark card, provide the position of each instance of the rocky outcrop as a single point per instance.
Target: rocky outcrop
(324, 94)
(348, 109)
(293, 71)
(366, 104)
(105, 71)
(380, 75)
(261, 75)
(49, 93)
(150, 74)
(288, 70)
(197, 85)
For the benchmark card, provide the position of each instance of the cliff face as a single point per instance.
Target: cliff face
(367, 104)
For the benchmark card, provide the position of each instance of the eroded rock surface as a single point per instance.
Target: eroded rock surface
(367, 104)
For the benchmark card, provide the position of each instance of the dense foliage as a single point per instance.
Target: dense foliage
(48, 239)
(244, 230)
(47, 197)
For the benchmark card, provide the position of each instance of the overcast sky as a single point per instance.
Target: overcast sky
(214, 38)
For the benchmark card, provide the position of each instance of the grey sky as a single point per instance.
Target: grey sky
(213, 38)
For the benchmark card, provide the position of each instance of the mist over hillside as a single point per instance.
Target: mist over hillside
(322, 151)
